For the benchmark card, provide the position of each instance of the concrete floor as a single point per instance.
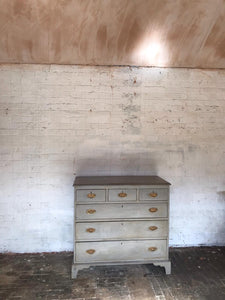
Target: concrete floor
(197, 273)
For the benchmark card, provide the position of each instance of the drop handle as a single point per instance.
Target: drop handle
(91, 195)
(153, 194)
(90, 251)
(153, 209)
(152, 249)
(122, 195)
(90, 211)
(90, 230)
(153, 228)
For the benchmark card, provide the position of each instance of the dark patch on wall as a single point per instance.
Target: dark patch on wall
(221, 196)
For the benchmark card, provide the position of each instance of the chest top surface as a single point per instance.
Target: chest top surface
(119, 180)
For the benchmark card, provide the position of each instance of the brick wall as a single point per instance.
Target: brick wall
(58, 121)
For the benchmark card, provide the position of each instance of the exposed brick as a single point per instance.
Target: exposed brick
(57, 121)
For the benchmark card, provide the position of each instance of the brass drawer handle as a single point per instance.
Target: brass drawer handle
(153, 194)
(122, 194)
(152, 249)
(152, 228)
(90, 251)
(90, 230)
(153, 209)
(91, 195)
(90, 211)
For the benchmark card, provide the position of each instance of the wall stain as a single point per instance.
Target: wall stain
(113, 32)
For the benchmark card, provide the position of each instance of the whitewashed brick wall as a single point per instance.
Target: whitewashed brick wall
(58, 121)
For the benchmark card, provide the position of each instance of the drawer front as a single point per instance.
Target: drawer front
(121, 211)
(154, 194)
(90, 195)
(120, 251)
(121, 230)
(122, 195)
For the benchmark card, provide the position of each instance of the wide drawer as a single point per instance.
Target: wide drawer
(120, 251)
(121, 230)
(121, 211)
(154, 194)
(90, 195)
(122, 195)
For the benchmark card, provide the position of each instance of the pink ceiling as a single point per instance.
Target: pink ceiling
(168, 33)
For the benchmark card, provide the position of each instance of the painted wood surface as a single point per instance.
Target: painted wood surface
(91, 195)
(154, 194)
(119, 180)
(118, 211)
(121, 251)
(122, 230)
(122, 194)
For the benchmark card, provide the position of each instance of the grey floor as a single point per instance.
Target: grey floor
(197, 273)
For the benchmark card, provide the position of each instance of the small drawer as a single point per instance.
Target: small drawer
(121, 251)
(90, 195)
(154, 194)
(121, 211)
(121, 230)
(117, 195)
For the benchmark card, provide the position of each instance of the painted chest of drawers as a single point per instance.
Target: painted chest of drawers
(121, 220)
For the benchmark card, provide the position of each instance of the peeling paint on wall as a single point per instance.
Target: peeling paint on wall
(57, 121)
